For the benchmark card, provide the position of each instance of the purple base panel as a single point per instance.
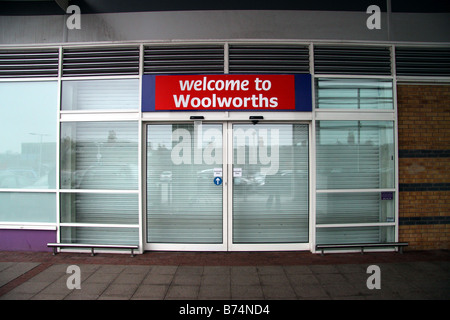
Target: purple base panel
(26, 240)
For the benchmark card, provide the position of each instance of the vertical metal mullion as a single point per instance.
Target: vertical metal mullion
(312, 184)
(140, 156)
(312, 156)
(393, 62)
(227, 182)
(141, 59)
(226, 62)
(226, 66)
(58, 147)
(396, 161)
(229, 163)
(311, 61)
(144, 160)
(228, 178)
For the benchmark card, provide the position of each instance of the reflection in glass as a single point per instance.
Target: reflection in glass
(364, 207)
(355, 154)
(97, 235)
(99, 155)
(355, 94)
(115, 94)
(99, 208)
(375, 234)
(28, 134)
(28, 207)
(270, 183)
(184, 205)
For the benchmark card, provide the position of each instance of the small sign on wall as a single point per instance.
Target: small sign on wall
(218, 172)
(387, 195)
(237, 172)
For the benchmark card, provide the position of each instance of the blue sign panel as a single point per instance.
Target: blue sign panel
(217, 181)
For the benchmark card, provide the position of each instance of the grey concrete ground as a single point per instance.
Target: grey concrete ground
(424, 280)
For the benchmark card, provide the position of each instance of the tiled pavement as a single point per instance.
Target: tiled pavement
(338, 276)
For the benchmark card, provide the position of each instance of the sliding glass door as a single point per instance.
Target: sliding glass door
(270, 193)
(230, 186)
(184, 202)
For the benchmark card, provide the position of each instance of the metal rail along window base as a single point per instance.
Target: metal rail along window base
(399, 246)
(92, 246)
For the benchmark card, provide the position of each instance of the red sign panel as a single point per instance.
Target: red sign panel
(225, 92)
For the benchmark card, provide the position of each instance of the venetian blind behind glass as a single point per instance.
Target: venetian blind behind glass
(353, 207)
(355, 154)
(270, 183)
(184, 205)
(114, 94)
(99, 155)
(100, 235)
(370, 234)
(359, 94)
(84, 208)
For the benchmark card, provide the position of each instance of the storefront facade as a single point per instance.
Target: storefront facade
(129, 172)
(211, 145)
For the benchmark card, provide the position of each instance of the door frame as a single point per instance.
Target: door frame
(264, 246)
(227, 244)
(148, 246)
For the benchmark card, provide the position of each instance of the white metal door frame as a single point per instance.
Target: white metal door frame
(185, 246)
(227, 206)
(261, 246)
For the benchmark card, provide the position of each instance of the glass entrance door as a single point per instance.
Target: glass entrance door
(231, 186)
(270, 189)
(184, 203)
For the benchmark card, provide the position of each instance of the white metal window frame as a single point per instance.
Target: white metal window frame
(33, 225)
(360, 115)
(74, 116)
(100, 116)
(141, 118)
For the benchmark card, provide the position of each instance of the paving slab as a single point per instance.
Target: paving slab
(150, 292)
(183, 292)
(340, 277)
(11, 270)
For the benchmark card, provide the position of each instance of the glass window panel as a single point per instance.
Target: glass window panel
(117, 94)
(27, 207)
(99, 155)
(334, 208)
(355, 94)
(98, 235)
(99, 208)
(270, 187)
(355, 154)
(28, 134)
(375, 234)
(183, 203)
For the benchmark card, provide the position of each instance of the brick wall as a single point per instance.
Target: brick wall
(424, 165)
